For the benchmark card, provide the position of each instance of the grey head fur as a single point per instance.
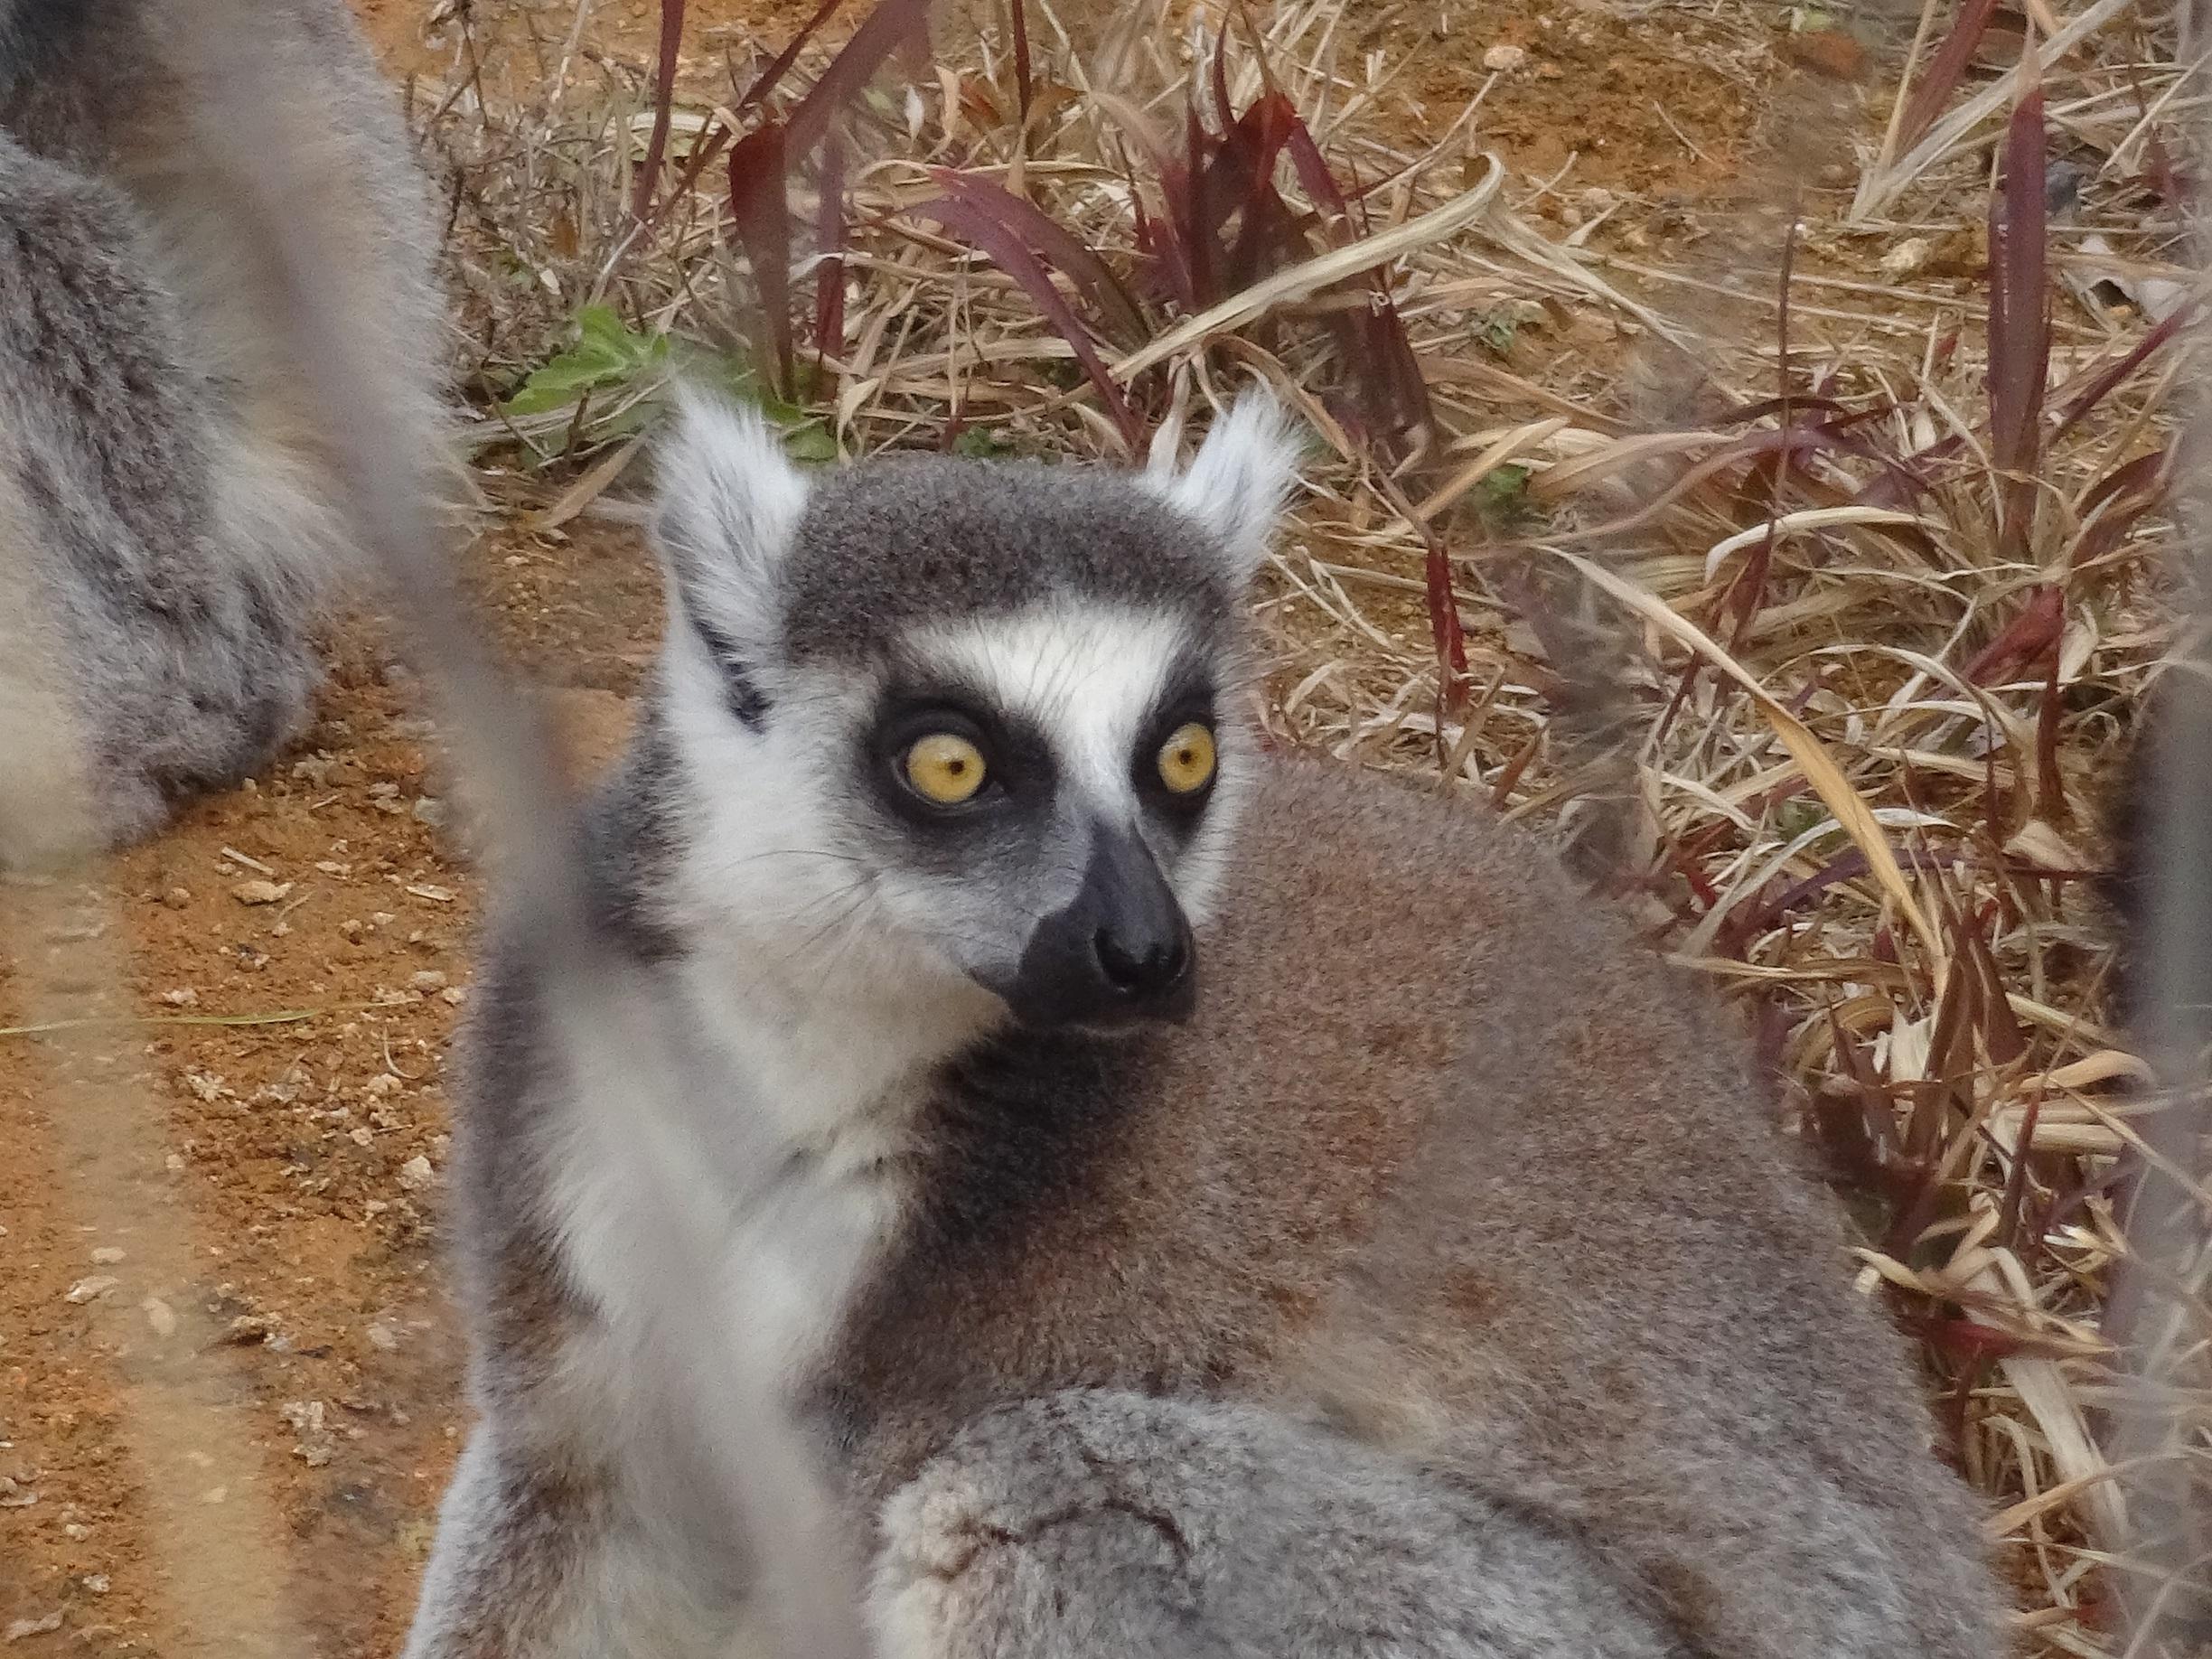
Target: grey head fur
(169, 514)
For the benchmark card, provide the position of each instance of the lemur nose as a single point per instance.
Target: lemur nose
(1144, 967)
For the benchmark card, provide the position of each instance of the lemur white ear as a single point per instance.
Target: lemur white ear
(1239, 482)
(729, 504)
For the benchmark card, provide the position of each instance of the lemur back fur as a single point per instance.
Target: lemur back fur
(170, 521)
(1443, 1287)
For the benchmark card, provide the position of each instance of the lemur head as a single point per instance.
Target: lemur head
(981, 720)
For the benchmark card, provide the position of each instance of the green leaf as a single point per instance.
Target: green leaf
(1506, 486)
(810, 441)
(606, 352)
(1496, 331)
(981, 443)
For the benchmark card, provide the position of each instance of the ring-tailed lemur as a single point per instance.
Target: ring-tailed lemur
(170, 517)
(1295, 1221)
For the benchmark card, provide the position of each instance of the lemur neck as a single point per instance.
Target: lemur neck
(838, 1051)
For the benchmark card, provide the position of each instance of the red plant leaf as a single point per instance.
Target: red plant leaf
(1218, 72)
(880, 34)
(761, 213)
(2019, 320)
(1382, 366)
(1160, 239)
(2113, 505)
(1039, 231)
(1007, 250)
(2023, 640)
(1185, 202)
(2050, 788)
(1945, 70)
(2011, 1210)
(2100, 385)
(1444, 623)
(830, 237)
(1444, 628)
(1396, 390)
(1970, 1339)
(770, 78)
(1238, 181)
(1313, 172)
(1022, 70)
(664, 99)
(710, 143)
(2170, 183)
(2141, 476)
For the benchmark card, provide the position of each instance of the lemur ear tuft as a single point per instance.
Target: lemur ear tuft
(729, 504)
(1239, 482)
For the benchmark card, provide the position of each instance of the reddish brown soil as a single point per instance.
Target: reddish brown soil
(290, 1144)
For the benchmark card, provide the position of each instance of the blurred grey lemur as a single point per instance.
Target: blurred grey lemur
(170, 520)
(1296, 1222)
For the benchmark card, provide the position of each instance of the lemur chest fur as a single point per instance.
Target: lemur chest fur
(839, 1076)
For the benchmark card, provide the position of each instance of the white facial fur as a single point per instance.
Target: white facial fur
(1090, 676)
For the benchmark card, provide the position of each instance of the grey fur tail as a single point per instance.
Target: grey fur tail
(173, 522)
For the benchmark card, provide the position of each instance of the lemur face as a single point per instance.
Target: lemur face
(1041, 794)
(984, 718)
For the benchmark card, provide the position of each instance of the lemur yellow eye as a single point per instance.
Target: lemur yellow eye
(1187, 759)
(944, 768)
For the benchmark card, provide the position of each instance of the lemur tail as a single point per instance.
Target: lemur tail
(346, 184)
(504, 763)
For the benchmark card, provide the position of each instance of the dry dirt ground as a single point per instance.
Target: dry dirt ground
(307, 1153)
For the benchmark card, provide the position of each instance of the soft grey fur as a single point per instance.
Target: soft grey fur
(170, 522)
(1094, 1522)
(1442, 1288)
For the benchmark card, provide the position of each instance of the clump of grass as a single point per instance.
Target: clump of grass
(1873, 620)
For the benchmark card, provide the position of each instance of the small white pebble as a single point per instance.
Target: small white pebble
(184, 997)
(106, 1255)
(1907, 257)
(416, 1174)
(260, 892)
(160, 1316)
(92, 1289)
(428, 980)
(1505, 58)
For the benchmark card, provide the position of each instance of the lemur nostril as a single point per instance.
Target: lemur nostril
(1152, 966)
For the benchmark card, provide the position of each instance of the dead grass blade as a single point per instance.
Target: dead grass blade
(1827, 779)
(1304, 280)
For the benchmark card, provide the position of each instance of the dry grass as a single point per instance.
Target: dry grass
(1824, 666)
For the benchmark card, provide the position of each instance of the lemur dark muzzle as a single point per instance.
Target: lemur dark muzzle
(1119, 953)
